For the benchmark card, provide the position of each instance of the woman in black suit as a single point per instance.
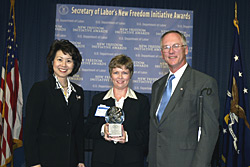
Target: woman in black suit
(53, 132)
(129, 149)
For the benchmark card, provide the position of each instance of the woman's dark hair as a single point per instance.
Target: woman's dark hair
(67, 48)
(119, 61)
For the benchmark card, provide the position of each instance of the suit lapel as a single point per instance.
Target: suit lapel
(110, 102)
(73, 98)
(58, 95)
(159, 88)
(128, 106)
(177, 94)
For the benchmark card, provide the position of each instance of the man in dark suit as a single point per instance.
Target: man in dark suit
(175, 138)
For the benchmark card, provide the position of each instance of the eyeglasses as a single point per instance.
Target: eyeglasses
(175, 47)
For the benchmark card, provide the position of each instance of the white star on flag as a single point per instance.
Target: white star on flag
(240, 74)
(236, 58)
(245, 90)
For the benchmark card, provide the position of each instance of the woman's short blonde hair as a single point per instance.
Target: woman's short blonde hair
(119, 61)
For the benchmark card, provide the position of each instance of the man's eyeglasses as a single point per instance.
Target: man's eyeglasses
(175, 47)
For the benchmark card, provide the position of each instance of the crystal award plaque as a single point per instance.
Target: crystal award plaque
(115, 117)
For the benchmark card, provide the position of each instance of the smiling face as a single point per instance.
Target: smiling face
(120, 77)
(174, 58)
(62, 65)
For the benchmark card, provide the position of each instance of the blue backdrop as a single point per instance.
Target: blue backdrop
(102, 32)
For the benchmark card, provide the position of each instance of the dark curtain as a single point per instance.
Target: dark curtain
(212, 39)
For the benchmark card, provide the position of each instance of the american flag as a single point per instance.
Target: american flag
(11, 100)
(236, 120)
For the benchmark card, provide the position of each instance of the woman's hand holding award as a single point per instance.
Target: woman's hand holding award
(115, 117)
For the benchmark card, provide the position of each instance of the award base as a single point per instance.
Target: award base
(115, 130)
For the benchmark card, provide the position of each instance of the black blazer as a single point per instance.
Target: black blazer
(53, 132)
(136, 124)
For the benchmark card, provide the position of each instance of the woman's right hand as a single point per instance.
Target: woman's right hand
(106, 132)
(37, 166)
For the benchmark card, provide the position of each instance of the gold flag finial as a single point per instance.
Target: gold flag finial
(236, 22)
(12, 2)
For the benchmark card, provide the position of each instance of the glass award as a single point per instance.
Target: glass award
(115, 117)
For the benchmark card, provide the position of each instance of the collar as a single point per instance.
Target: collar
(178, 73)
(59, 86)
(130, 93)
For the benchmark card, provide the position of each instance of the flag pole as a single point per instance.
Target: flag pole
(14, 21)
(5, 75)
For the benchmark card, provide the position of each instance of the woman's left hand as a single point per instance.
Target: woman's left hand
(121, 139)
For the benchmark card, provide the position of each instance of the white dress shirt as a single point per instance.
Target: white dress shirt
(178, 74)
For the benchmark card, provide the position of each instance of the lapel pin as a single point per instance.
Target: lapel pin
(78, 97)
(182, 91)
